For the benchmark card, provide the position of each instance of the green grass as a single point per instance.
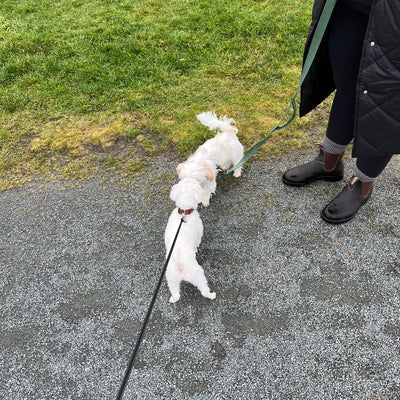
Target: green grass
(104, 85)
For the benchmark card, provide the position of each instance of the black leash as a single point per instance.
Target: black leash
(146, 320)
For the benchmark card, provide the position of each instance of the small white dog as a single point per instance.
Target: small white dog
(204, 171)
(183, 265)
(224, 149)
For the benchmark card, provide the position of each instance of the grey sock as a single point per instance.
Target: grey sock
(362, 176)
(331, 147)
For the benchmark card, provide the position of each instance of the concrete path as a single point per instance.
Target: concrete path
(304, 310)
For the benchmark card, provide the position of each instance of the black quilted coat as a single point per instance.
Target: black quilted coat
(377, 122)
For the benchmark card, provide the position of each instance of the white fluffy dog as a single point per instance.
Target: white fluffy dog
(204, 171)
(183, 266)
(224, 149)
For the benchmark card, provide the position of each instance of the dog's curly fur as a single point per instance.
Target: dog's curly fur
(183, 265)
(224, 149)
(204, 171)
(197, 182)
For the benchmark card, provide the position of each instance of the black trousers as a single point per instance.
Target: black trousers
(345, 42)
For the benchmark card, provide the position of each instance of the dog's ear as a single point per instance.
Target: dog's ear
(209, 172)
(173, 195)
(179, 167)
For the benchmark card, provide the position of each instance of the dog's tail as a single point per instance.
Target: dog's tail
(222, 124)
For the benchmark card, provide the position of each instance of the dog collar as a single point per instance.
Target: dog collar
(185, 212)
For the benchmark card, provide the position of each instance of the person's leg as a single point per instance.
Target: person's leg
(345, 42)
(345, 38)
(340, 128)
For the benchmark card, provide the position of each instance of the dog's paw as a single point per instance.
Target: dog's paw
(206, 201)
(174, 299)
(209, 295)
(237, 173)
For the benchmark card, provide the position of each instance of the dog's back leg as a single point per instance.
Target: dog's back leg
(197, 278)
(173, 281)
(238, 171)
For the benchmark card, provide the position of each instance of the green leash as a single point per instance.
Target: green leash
(292, 107)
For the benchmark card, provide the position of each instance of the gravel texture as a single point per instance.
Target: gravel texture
(304, 309)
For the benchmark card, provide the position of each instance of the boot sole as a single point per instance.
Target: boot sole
(318, 178)
(337, 221)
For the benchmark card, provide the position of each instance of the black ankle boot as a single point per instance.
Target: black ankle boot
(345, 205)
(326, 166)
